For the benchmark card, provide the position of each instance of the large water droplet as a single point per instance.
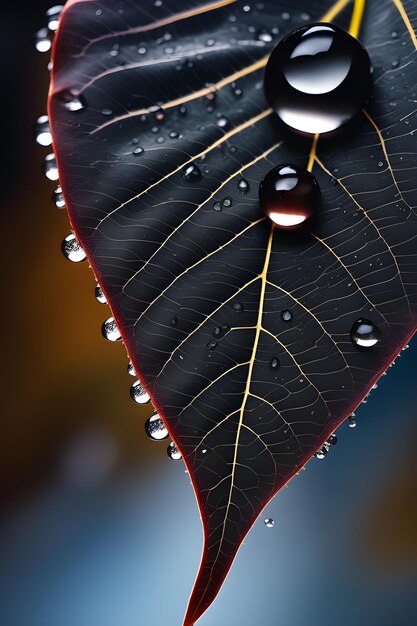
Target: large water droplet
(155, 428)
(173, 452)
(58, 198)
(269, 522)
(50, 167)
(138, 393)
(53, 14)
(365, 334)
(289, 196)
(110, 331)
(72, 250)
(43, 131)
(317, 78)
(100, 297)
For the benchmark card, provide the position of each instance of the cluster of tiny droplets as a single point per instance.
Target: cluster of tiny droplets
(71, 248)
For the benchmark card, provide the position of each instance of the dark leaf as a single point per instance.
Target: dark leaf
(158, 115)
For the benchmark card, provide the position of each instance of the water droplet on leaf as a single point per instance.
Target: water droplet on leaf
(131, 369)
(71, 101)
(72, 250)
(138, 393)
(155, 428)
(43, 131)
(289, 196)
(100, 297)
(43, 41)
(173, 452)
(110, 331)
(317, 78)
(191, 172)
(269, 522)
(50, 167)
(365, 334)
(53, 14)
(58, 198)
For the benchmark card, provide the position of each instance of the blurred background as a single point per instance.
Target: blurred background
(98, 527)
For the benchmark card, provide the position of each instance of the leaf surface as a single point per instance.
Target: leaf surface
(174, 119)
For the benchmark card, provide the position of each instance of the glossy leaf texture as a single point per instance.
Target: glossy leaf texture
(172, 119)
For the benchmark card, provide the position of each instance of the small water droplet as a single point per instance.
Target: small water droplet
(71, 101)
(139, 150)
(174, 321)
(53, 14)
(110, 331)
(43, 134)
(138, 393)
(221, 331)
(182, 110)
(100, 297)
(289, 196)
(320, 454)
(191, 172)
(72, 250)
(222, 122)
(50, 167)
(212, 345)
(332, 440)
(269, 522)
(275, 363)
(265, 37)
(173, 452)
(58, 198)
(352, 421)
(365, 334)
(43, 41)
(227, 202)
(155, 428)
(238, 307)
(131, 369)
(217, 206)
(243, 185)
(286, 316)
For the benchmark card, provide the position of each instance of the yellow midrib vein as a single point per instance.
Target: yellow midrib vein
(263, 277)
